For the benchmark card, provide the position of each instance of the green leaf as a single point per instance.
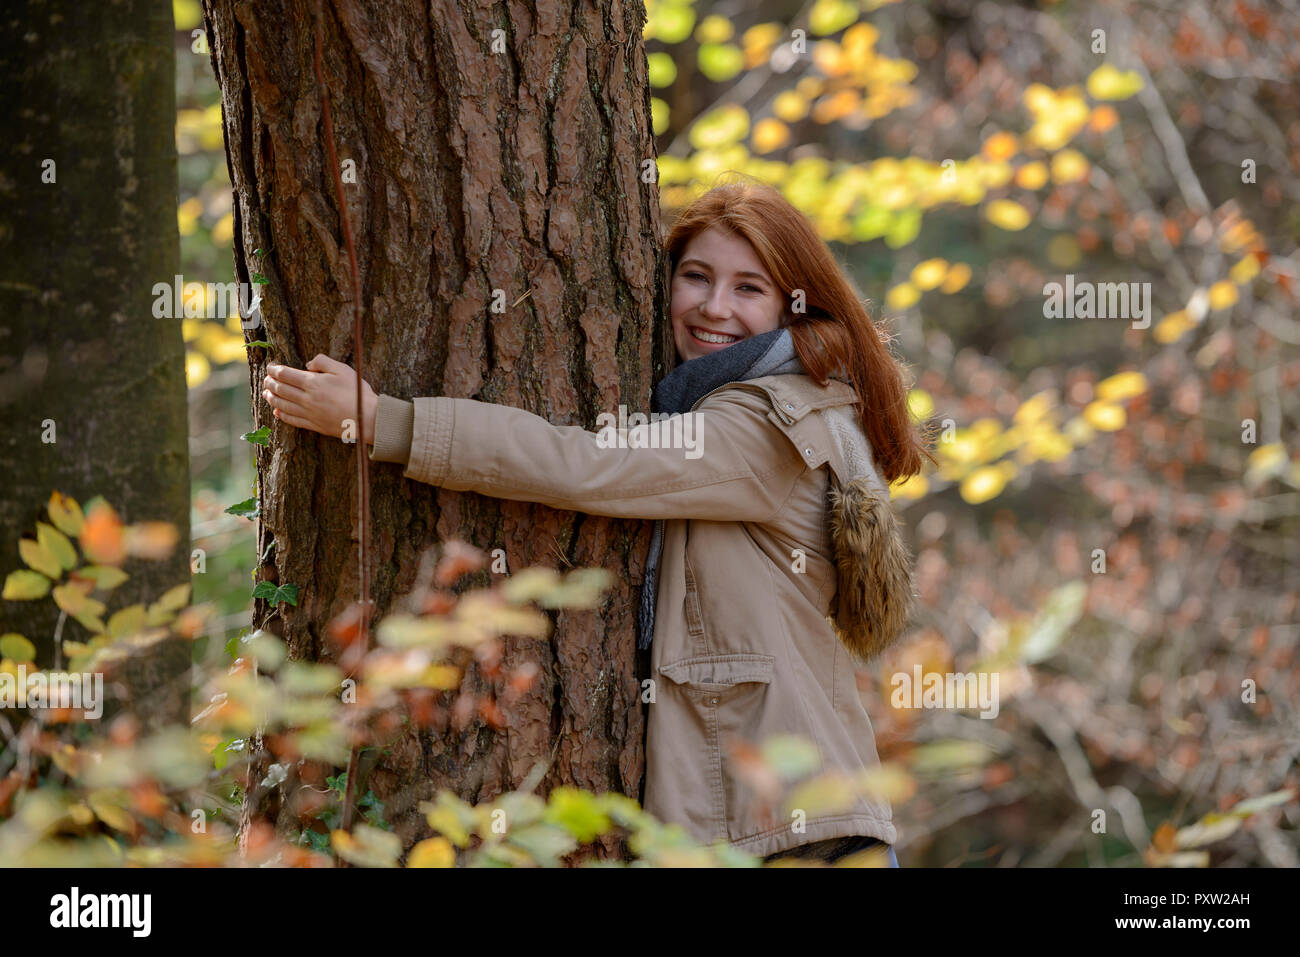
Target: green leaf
(720, 61)
(260, 436)
(57, 544)
(17, 648)
(39, 558)
(221, 754)
(260, 279)
(246, 509)
(174, 598)
(578, 812)
(265, 590)
(65, 513)
(105, 577)
(257, 251)
(904, 228)
(23, 585)
(287, 593)
(257, 344)
(1053, 622)
(545, 843)
(126, 621)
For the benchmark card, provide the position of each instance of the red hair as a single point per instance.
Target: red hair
(834, 332)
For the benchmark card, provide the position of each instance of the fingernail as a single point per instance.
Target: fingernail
(267, 395)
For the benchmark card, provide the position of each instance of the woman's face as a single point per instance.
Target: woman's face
(722, 292)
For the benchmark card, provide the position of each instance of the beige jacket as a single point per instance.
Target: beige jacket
(775, 577)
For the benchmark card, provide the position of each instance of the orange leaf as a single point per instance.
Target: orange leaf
(102, 536)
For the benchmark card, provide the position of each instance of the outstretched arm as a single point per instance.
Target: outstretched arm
(741, 467)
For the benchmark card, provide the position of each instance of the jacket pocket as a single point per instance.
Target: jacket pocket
(719, 672)
(722, 696)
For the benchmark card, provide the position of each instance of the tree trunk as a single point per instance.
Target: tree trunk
(92, 385)
(498, 155)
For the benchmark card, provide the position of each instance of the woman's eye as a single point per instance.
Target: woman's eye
(694, 275)
(748, 286)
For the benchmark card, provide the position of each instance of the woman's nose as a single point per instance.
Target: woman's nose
(713, 306)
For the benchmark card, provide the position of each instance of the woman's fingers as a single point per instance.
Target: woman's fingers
(294, 420)
(282, 404)
(323, 363)
(285, 390)
(294, 377)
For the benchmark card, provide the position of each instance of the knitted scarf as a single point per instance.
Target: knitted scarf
(771, 353)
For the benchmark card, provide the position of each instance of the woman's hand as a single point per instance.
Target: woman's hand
(323, 398)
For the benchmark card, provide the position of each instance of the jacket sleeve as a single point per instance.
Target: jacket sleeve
(740, 468)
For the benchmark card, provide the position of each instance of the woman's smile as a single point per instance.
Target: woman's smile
(713, 340)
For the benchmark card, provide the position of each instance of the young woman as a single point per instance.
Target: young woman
(776, 562)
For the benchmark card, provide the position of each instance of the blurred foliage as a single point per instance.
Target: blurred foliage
(75, 794)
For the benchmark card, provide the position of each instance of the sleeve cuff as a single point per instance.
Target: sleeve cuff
(394, 427)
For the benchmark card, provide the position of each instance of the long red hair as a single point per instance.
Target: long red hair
(834, 332)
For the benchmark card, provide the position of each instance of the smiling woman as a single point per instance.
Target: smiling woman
(775, 564)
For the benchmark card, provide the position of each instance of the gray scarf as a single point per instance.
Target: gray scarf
(771, 353)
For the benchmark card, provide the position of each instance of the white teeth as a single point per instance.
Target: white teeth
(712, 336)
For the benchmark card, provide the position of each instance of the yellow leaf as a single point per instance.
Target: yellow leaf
(659, 115)
(914, 486)
(902, 296)
(106, 807)
(39, 558)
(770, 134)
(1121, 386)
(57, 544)
(1267, 459)
(955, 281)
(831, 16)
(714, 29)
(17, 648)
(65, 513)
(790, 105)
(1069, 166)
(1172, 327)
(1108, 83)
(433, 852)
(1032, 175)
(1245, 270)
(983, 484)
(174, 599)
(1104, 416)
(920, 403)
(224, 230)
(126, 621)
(929, 274)
(197, 369)
(1223, 294)
(1039, 98)
(23, 585)
(1007, 214)
(105, 577)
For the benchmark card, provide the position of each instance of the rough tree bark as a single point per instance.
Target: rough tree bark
(92, 386)
(498, 152)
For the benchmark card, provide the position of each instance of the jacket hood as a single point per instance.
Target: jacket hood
(873, 595)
